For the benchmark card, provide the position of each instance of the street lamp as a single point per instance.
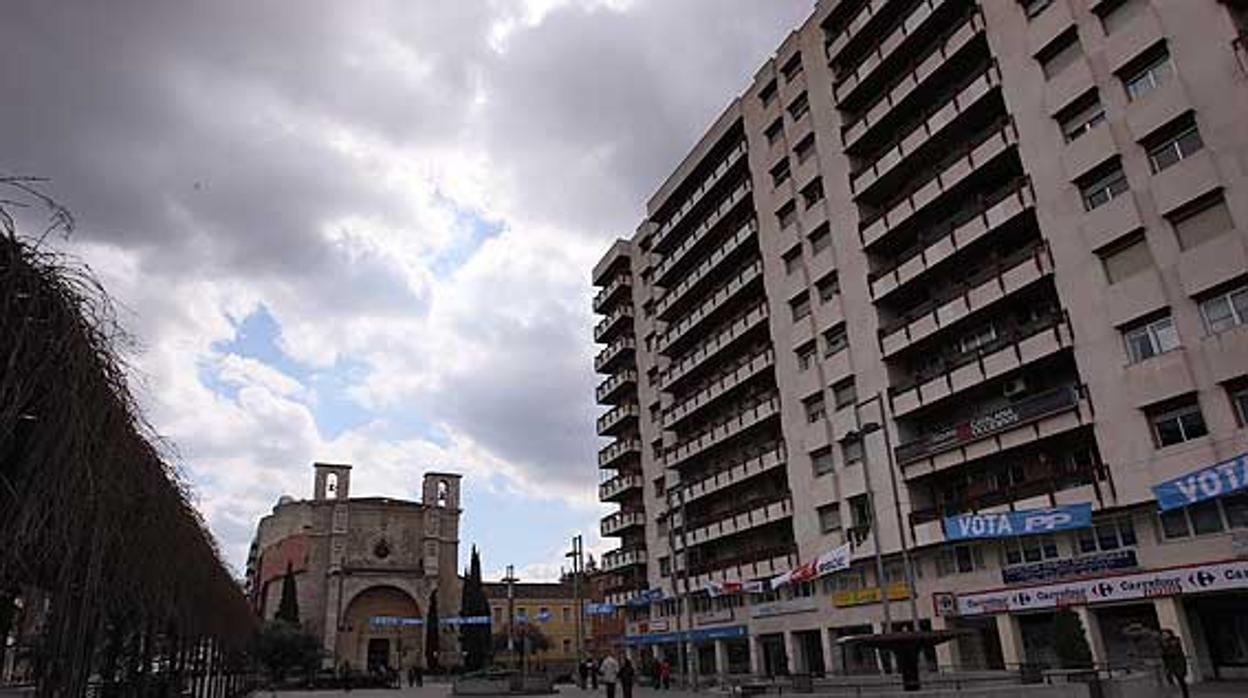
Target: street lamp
(577, 554)
(683, 606)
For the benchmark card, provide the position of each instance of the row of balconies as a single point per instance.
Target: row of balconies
(705, 268)
(606, 360)
(1011, 274)
(617, 284)
(748, 515)
(836, 44)
(745, 418)
(987, 147)
(1036, 484)
(713, 345)
(606, 329)
(909, 81)
(743, 279)
(621, 521)
(615, 419)
(670, 260)
(617, 487)
(849, 80)
(719, 387)
(621, 558)
(744, 566)
(673, 221)
(939, 245)
(736, 473)
(610, 389)
(617, 450)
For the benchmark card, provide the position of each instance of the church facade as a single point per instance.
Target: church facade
(365, 569)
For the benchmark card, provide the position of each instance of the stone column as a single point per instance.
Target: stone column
(1172, 615)
(756, 656)
(721, 657)
(1011, 635)
(1096, 641)
(793, 653)
(947, 653)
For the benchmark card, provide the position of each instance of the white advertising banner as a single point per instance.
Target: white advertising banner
(1123, 587)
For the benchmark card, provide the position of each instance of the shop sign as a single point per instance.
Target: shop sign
(392, 621)
(659, 625)
(1008, 524)
(1207, 483)
(701, 635)
(1067, 568)
(722, 615)
(858, 597)
(945, 603)
(599, 609)
(1123, 587)
(784, 608)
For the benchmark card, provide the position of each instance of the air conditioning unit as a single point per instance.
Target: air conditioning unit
(1014, 387)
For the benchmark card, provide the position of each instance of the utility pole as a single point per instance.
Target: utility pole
(578, 570)
(510, 581)
(874, 522)
(673, 572)
(692, 666)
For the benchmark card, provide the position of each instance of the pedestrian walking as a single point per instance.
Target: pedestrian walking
(345, 675)
(1173, 660)
(665, 674)
(582, 669)
(628, 674)
(593, 674)
(420, 674)
(610, 674)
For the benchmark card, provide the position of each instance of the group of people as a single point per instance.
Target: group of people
(609, 671)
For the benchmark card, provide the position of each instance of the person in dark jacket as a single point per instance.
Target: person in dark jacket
(1173, 660)
(627, 675)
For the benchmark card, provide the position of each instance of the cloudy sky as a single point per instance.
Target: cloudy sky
(362, 231)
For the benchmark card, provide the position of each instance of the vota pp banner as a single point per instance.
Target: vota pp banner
(1008, 524)
(1207, 483)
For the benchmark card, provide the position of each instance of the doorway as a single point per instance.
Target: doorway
(378, 654)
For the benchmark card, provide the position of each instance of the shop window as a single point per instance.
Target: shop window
(1116, 14)
(1225, 310)
(793, 260)
(812, 194)
(775, 131)
(1202, 220)
(1017, 551)
(1126, 257)
(835, 340)
(1084, 115)
(820, 240)
(1148, 339)
(805, 356)
(845, 393)
(1106, 536)
(1148, 73)
(1176, 422)
(829, 517)
(780, 173)
(815, 410)
(1060, 54)
(821, 463)
(800, 306)
(1102, 185)
(828, 287)
(804, 149)
(1174, 142)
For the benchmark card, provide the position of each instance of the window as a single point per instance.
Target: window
(1226, 310)
(1060, 54)
(805, 356)
(844, 393)
(821, 464)
(665, 566)
(805, 149)
(821, 239)
(780, 173)
(829, 517)
(851, 451)
(1084, 115)
(1238, 393)
(1202, 220)
(978, 338)
(1174, 524)
(1206, 517)
(1033, 8)
(793, 259)
(1126, 257)
(812, 193)
(959, 559)
(660, 487)
(1176, 422)
(793, 68)
(1173, 143)
(787, 215)
(800, 306)
(1211, 516)
(1106, 536)
(774, 131)
(567, 614)
(1022, 549)
(828, 287)
(1102, 185)
(835, 340)
(1150, 339)
(498, 614)
(799, 107)
(1149, 73)
(767, 95)
(1117, 14)
(814, 408)
(567, 646)
(860, 511)
(1235, 506)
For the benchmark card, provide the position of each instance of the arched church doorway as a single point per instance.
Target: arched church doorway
(382, 628)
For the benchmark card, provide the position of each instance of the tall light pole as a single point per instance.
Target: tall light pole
(510, 580)
(578, 570)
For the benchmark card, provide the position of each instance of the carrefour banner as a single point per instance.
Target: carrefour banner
(1208, 483)
(1007, 524)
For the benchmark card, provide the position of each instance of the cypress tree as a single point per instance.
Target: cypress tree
(432, 633)
(475, 639)
(288, 609)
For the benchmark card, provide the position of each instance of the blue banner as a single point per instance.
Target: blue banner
(700, 635)
(599, 609)
(1208, 483)
(1008, 524)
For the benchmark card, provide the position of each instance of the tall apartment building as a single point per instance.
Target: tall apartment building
(942, 258)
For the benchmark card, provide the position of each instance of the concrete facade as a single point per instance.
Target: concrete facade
(941, 257)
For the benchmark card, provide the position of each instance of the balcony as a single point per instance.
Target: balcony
(852, 28)
(996, 422)
(616, 488)
(617, 419)
(745, 516)
(1047, 481)
(989, 287)
(1008, 353)
(705, 269)
(612, 389)
(774, 457)
(934, 122)
(988, 146)
(746, 418)
(744, 566)
(607, 329)
(621, 558)
(609, 358)
(710, 393)
(612, 290)
(713, 345)
(744, 279)
(913, 79)
(691, 201)
(616, 451)
(917, 24)
(621, 521)
(699, 235)
(943, 243)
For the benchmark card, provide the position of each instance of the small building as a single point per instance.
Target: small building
(550, 607)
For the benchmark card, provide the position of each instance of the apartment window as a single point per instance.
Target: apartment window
(1084, 115)
(1146, 340)
(799, 107)
(1173, 143)
(821, 464)
(1202, 220)
(814, 408)
(567, 614)
(498, 614)
(1061, 53)
(793, 68)
(835, 340)
(787, 215)
(978, 338)
(821, 239)
(665, 566)
(1177, 421)
(1029, 549)
(1238, 392)
(860, 511)
(1102, 185)
(800, 306)
(1033, 8)
(1152, 71)
(844, 393)
(1226, 310)
(767, 95)
(662, 526)
(793, 259)
(660, 487)
(805, 356)
(1106, 536)
(1126, 257)
(780, 173)
(828, 287)
(829, 517)
(812, 193)
(1116, 14)
(851, 451)
(1212, 516)
(804, 149)
(959, 559)
(774, 131)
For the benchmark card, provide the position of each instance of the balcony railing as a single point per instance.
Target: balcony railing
(621, 521)
(621, 281)
(605, 360)
(713, 345)
(989, 423)
(746, 564)
(713, 218)
(915, 24)
(615, 451)
(836, 44)
(705, 267)
(623, 557)
(749, 367)
(618, 485)
(742, 517)
(1035, 485)
(716, 300)
(722, 430)
(611, 422)
(603, 329)
(607, 390)
(674, 220)
(737, 472)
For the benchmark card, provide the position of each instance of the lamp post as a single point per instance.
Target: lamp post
(577, 554)
(676, 502)
(510, 580)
